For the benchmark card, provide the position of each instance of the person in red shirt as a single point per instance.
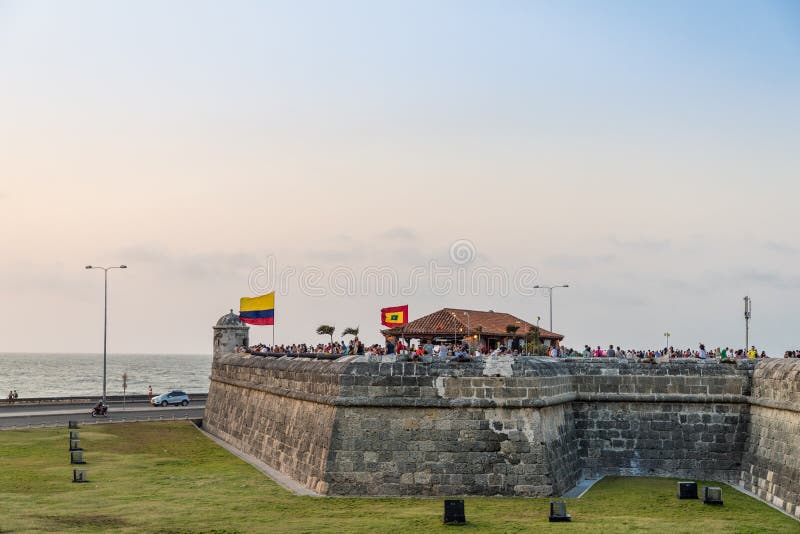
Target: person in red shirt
(150, 392)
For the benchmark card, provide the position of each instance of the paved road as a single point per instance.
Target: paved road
(22, 416)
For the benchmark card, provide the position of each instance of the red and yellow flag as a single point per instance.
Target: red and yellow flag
(394, 316)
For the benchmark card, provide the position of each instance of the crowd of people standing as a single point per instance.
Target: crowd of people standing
(355, 346)
(464, 351)
(719, 353)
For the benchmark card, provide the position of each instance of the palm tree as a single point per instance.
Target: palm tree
(533, 335)
(350, 331)
(326, 330)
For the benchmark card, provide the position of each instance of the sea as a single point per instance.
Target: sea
(69, 375)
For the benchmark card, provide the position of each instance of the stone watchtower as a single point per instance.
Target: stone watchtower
(230, 333)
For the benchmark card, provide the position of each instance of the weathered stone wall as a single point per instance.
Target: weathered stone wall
(268, 411)
(671, 419)
(661, 439)
(558, 431)
(400, 428)
(771, 459)
(527, 427)
(450, 451)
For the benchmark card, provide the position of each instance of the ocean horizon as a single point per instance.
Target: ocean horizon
(50, 374)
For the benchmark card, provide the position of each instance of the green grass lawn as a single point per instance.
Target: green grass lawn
(168, 477)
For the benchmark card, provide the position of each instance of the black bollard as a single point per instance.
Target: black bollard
(454, 511)
(687, 490)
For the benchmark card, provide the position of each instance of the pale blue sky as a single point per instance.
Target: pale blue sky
(646, 153)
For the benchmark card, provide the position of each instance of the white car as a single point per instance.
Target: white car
(173, 397)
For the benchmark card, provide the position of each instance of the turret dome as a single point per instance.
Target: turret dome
(230, 319)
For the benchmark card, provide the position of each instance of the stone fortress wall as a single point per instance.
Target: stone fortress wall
(771, 455)
(534, 426)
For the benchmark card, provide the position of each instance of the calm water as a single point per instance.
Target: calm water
(54, 375)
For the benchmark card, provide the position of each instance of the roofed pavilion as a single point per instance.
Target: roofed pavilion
(488, 328)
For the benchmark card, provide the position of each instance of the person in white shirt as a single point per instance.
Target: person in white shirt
(702, 354)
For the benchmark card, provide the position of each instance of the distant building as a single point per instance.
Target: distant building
(488, 328)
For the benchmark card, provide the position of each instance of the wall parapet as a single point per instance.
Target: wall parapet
(528, 382)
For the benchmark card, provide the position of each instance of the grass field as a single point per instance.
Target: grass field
(168, 477)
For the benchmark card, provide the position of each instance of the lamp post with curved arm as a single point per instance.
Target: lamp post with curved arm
(550, 292)
(105, 317)
(455, 330)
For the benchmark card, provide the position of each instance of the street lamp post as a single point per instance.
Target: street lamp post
(105, 317)
(468, 328)
(666, 335)
(550, 292)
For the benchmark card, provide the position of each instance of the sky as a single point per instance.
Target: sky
(644, 153)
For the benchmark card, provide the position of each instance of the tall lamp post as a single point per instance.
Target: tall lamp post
(550, 292)
(746, 324)
(105, 317)
(666, 335)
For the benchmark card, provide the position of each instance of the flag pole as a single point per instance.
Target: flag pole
(273, 322)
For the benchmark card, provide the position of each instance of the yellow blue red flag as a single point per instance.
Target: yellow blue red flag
(258, 310)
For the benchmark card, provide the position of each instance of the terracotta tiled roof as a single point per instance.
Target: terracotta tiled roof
(449, 320)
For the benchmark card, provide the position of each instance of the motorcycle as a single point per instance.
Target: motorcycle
(100, 411)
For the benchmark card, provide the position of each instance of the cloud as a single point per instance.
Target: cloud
(743, 279)
(143, 254)
(680, 285)
(642, 244)
(578, 261)
(399, 232)
(768, 278)
(201, 265)
(781, 248)
(26, 278)
(345, 254)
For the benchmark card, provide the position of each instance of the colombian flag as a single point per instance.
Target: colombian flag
(258, 310)
(394, 316)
